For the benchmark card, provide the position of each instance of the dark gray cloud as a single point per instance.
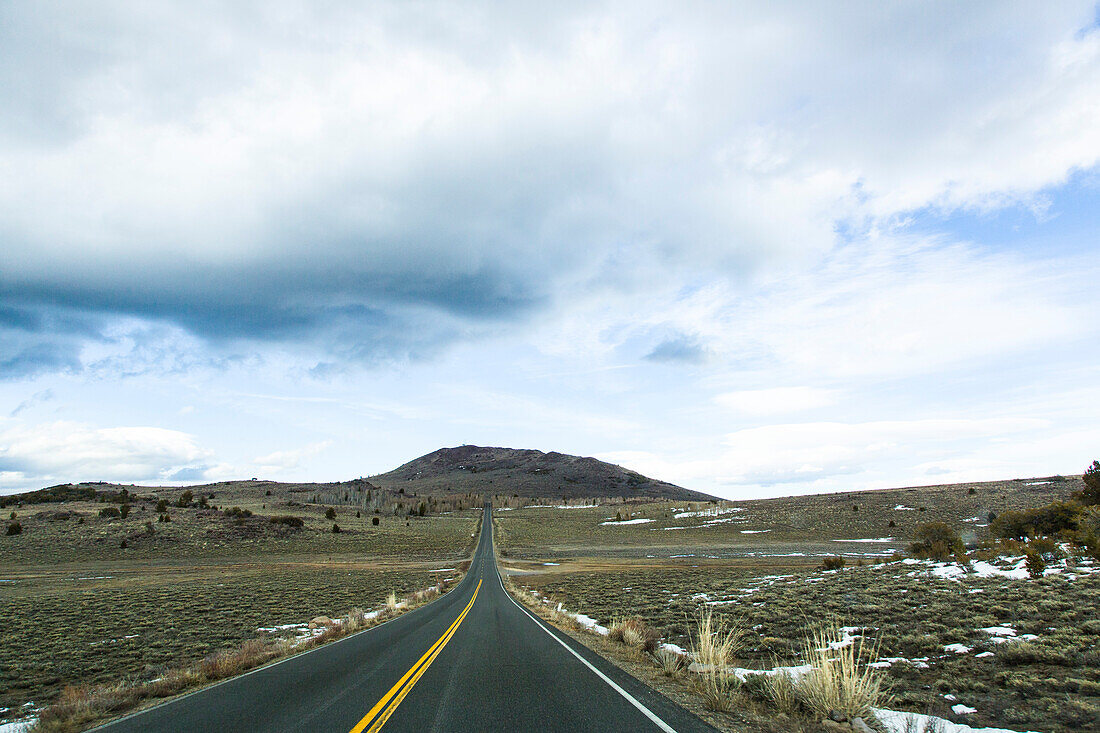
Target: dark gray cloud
(378, 181)
(21, 361)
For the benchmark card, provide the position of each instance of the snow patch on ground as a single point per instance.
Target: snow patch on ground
(848, 638)
(899, 722)
(876, 539)
(1011, 567)
(754, 531)
(586, 621)
(17, 726)
(713, 512)
(561, 506)
(884, 662)
(626, 521)
(795, 672)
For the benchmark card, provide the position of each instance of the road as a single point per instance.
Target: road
(473, 660)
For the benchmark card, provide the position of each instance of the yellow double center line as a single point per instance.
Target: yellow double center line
(384, 708)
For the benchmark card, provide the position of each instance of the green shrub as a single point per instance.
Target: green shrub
(124, 511)
(110, 512)
(330, 513)
(335, 528)
(1091, 493)
(238, 512)
(937, 541)
(1047, 548)
(288, 521)
(374, 521)
(14, 528)
(1035, 564)
(1026, 652)
(186, 498)
(833, 563)
(1059, 517)
(162, 506)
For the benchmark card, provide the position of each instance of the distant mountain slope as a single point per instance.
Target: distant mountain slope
(526, 473)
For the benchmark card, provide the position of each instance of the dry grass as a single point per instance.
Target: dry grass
(717, 642)
(551, 613)
(718, 639)
(782, 692)
(672, 663)
(841, 678)
(634, 632)
(78, 706)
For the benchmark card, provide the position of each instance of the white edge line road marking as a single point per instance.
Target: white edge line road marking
(629, 698)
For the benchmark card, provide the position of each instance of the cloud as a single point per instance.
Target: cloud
(32, 456)
(282, 461)
(376, 183)
(680, 349)
(777, 400)
(37, 398)
(800, 458)
(800, 452)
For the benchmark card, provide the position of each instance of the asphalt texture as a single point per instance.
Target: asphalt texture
(500, 669)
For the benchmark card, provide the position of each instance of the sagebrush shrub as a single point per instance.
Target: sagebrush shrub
(936, 540)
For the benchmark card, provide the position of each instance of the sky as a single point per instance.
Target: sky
(754, 249)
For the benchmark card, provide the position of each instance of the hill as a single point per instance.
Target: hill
(530, 473)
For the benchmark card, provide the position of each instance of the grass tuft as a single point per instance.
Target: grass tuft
(717, 642)
(634, 632)
(841, 678)
(672, 663)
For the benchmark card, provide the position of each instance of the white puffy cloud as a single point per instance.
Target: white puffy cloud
(32, 456)
(286, 460)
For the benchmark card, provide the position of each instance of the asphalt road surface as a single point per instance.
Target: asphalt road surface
(473, 660)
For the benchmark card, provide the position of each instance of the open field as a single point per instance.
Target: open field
(810, 525)
(1023, 653)
(75, 532)
(79, 608)
(1049, 683)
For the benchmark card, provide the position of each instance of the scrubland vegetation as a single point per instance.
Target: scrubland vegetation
(78, 705)
(105, 589)
(999, 630)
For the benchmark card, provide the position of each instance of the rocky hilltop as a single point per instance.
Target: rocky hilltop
(472, 468)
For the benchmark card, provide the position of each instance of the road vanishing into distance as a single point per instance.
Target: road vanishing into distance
(473, 660)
